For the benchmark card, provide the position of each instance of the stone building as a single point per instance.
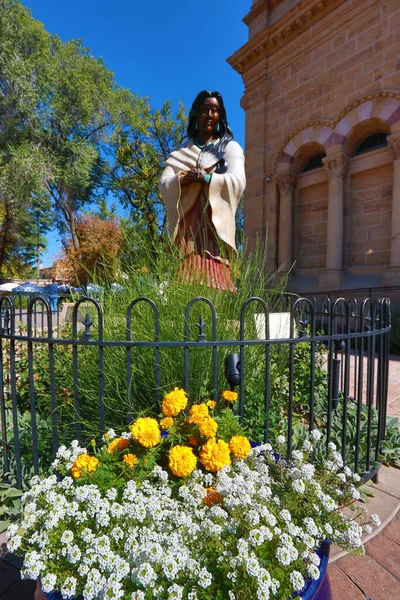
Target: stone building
(322, 103)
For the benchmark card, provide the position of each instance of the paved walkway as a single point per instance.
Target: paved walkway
(393, 405)
(373, 576)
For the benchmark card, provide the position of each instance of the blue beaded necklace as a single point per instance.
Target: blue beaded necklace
(201, 147)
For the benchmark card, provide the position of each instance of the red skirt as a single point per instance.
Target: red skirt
(208, 271)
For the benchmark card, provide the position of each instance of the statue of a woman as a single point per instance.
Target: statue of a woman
(201, 187)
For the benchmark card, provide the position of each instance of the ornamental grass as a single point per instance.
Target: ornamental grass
(184, 513)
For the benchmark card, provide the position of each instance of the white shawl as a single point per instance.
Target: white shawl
(223, 192)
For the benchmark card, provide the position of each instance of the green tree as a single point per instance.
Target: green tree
(70, 137)
(140, 146)
(57, 108)
(23, 59)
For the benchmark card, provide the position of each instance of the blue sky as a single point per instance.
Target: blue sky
(157, 48)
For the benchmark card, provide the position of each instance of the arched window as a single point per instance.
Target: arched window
(315, 162)
(372, 142)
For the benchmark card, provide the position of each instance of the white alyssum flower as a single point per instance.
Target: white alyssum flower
(313, 571)
(110, 434)
(315, 435)
(48, 582)
(375, 520)
(157, 539)
(299, 486)
(297, 581)
(68, 587)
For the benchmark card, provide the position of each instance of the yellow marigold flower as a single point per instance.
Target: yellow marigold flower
(208, 427)
(130, 459)
(166, 422)
(211, 404)
(229, 396)
(146, 431)
(84, 462)
(214, 455)
(118, 444)
(197, 413)
(239, 446)
(174, 402)
(212, 497)
(182, 461)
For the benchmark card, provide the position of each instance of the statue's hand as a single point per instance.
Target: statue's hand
(192, 176)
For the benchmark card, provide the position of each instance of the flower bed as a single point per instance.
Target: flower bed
(196, 514)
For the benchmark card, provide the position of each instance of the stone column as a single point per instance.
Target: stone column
(392, 275)
(286, 182)
(336, 167)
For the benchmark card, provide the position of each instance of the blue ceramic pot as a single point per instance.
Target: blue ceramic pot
(320, 589)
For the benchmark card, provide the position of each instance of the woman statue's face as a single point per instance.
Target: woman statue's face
(209, 116)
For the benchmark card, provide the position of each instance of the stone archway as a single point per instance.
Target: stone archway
(338, 138)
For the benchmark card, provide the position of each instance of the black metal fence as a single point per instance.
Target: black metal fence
(325, 366)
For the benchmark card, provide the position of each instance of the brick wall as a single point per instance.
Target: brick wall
(311, 62)
(370, 211)
(310, 211)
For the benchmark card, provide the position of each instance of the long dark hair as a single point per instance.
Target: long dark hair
(224, 130)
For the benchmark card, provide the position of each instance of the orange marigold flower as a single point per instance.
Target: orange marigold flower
(146, 431)
(229, 396)
(208, 427)
(211, 404)
(197, 413)
(84, 462)
(130, 460)
(214, 455)
(193, 441)
(239, 446)
(174, 402)
(118, 444)
(182, 461)
(212, 497)
(166, 422)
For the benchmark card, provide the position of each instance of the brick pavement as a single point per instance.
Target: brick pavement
(374, 576)
(393, 405)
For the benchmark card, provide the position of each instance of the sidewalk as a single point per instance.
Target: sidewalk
(393, 405)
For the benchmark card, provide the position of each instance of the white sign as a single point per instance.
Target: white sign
(279, 325)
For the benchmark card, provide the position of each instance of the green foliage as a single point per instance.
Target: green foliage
(10, 494)
(390, 452)
(390, 446)
(69, 136)
(10, 505)
(141, 144)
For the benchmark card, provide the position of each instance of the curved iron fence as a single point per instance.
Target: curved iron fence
(326, 367)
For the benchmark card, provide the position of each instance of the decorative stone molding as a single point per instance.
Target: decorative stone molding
(286, 182)
(307, 13)
(385, 94)
(253, 96)
(394, 143)
(336, 166)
